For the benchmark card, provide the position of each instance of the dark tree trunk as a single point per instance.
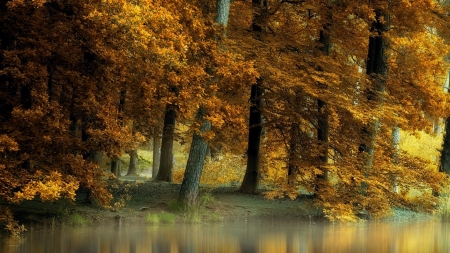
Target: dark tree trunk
(322, 132)
(166, 163)
(376, 69)
(322, 119)
(133, 167)
(252, 173)
(445, 152)
(156, 156)
(250, 182)
(115, 167)
(194, 166)
(96, 157)
(293, 153)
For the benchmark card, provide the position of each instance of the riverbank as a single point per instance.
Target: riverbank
(140, 201)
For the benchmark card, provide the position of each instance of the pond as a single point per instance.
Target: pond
(241, 237)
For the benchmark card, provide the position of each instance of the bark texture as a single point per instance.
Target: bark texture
(194, 166)
(223, 10)
(293, 153)
(445, 152)
(395, 155)
(166, 165)
(252, 173)
(115, 167)
(376, 69)
(134, 166)
(156, 156)
(322, 119)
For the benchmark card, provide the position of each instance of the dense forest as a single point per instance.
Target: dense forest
(312, 93)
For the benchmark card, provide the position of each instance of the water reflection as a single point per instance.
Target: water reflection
(242, 237)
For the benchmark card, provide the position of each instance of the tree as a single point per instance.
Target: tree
(156, 155)
(166, 161)
(197, 153)
(133, 166)
(252, 173)
(376, 69)
(194, 166)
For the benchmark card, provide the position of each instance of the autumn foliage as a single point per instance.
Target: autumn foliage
(82, 77)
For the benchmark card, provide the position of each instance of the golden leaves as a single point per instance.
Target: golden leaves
(50, 188)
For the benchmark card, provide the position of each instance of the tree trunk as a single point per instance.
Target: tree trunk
(156, 156)
(293, 153)
(376, 69)
(115, 166)
(194, 166)
(197, 153)
(223, 10)
(395, 155)
(166, 163)
(133, 167)
(252, 173)
(96, 156)
(322, 120)
(445, 152)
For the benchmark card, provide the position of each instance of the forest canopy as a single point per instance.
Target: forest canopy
(313, 93)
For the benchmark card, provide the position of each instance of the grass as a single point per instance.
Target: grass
(444, 208)
(77, 219)
(444, 205)
(167, 217)
(196, 213)
(152, 218)
(163, 217)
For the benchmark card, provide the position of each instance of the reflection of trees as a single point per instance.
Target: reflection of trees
(264, 237)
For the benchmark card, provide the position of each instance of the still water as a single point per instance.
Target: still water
(239, 237)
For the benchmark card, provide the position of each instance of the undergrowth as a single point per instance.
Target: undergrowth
(198, 212)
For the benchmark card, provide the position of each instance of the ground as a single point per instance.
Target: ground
(223, 204)
(217, 203)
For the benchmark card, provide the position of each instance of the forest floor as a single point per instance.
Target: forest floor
(218, 204)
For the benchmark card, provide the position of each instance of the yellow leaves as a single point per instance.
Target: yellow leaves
(339, 212)
(226, 169)
(50, 188)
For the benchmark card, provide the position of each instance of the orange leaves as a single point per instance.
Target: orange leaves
(7, 144)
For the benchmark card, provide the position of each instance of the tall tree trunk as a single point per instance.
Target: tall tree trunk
(376, 69)
(166, 163)
(156, 155)
(252, 174)
(293, 153)
(197, 154)
(133, 166)
(194, 166)
(322, 120)
(445, 151)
